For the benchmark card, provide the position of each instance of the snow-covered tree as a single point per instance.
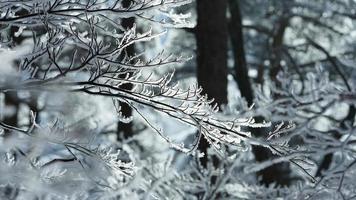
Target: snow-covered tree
(64, 71)
(77, 49)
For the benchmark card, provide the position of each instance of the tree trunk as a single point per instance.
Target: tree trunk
(11, 103)
(212, 37)
(237, 41)
(277, 48)
(10, 97)
(276, 173)
(126, 128)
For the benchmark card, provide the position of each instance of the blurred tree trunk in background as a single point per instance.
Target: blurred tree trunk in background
(12, 107)
(277, 47)
(212, 37)
(11, 100)
(279, 172)
(126, 128)
(237, 41)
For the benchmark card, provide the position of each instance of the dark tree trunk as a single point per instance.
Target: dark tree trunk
(277, 48)
(126, 128)
(276, 173)
(11, 103)
(237, 41)
(212, 37)
(10, 98)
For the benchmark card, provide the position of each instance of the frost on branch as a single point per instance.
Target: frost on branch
(79, 47)
(43, 159)
(320, 128)
(76, 54)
